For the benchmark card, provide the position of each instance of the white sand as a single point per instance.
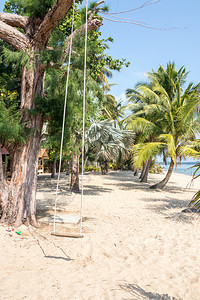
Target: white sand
(137, 244)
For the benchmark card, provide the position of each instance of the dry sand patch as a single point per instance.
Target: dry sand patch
(137, 244)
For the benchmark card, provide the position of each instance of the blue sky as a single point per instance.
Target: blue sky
(148, 48)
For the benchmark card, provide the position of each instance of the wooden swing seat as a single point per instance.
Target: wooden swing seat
(69, 235)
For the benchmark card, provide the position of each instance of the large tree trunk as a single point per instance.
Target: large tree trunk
(144, 176)
(21, 191)
(17, 199)
(162, 183)
(74, 186)
(3, 186)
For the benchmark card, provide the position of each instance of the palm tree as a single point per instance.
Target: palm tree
(165, 117)
(195, 202)
(108, 142)
(144, 132)
(112, 109)
(194, 150)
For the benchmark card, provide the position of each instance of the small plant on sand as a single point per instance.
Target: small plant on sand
(156, 168)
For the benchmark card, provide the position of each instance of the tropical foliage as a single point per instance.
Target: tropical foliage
(108, 142)
(99, 66)
(38, 34)
(164, 117)
(113, 110)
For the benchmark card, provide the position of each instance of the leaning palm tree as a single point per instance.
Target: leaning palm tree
(108, 142)
(194, 150)
(165, 114)
(195, 202)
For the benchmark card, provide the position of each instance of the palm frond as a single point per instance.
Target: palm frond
(195, 202)
(144, 151)
(106, 140)
(171, 148)
(188, 108)
(188, 151)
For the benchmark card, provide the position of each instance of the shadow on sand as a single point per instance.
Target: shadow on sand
(128, 181)
(123, 180)
(65, 257)
(139, 294)
(95, 190)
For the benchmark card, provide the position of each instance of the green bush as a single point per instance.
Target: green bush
(91, 169)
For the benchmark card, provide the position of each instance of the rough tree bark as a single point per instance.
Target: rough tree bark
(20, 205)
(3, 186)
(17, 198)
(74, 186)
(163, 182)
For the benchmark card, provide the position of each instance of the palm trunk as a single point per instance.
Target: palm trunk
(85, 162)
(144, 176)
(162, 183)
(21, 191)
(102, 168)
(74, 186)
(106, 167)
(135, 173)
(143, 170)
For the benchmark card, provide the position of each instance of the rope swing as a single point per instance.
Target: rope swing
(63, 129)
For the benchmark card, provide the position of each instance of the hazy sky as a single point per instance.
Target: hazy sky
(148, 48)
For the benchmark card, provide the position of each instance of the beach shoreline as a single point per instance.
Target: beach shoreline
(137, 243)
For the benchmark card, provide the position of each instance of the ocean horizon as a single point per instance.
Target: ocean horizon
(182, 168)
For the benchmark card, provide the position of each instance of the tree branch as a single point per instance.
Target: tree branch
(92, 24)
(97, 4)
(147, 3)
(52, 66)
(14, 20)
(52, 19)
(13, 37)
(135, 23)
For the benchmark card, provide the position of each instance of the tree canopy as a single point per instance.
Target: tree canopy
(164, 115)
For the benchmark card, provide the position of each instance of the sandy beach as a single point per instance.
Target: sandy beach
(137, 243)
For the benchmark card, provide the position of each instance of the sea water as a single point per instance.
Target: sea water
(183, 167)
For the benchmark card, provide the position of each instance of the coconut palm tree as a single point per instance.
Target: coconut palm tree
(194, 150)
(112, 109)
(165, 117)
(108, 142)
(195, 202)
(144, 132)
